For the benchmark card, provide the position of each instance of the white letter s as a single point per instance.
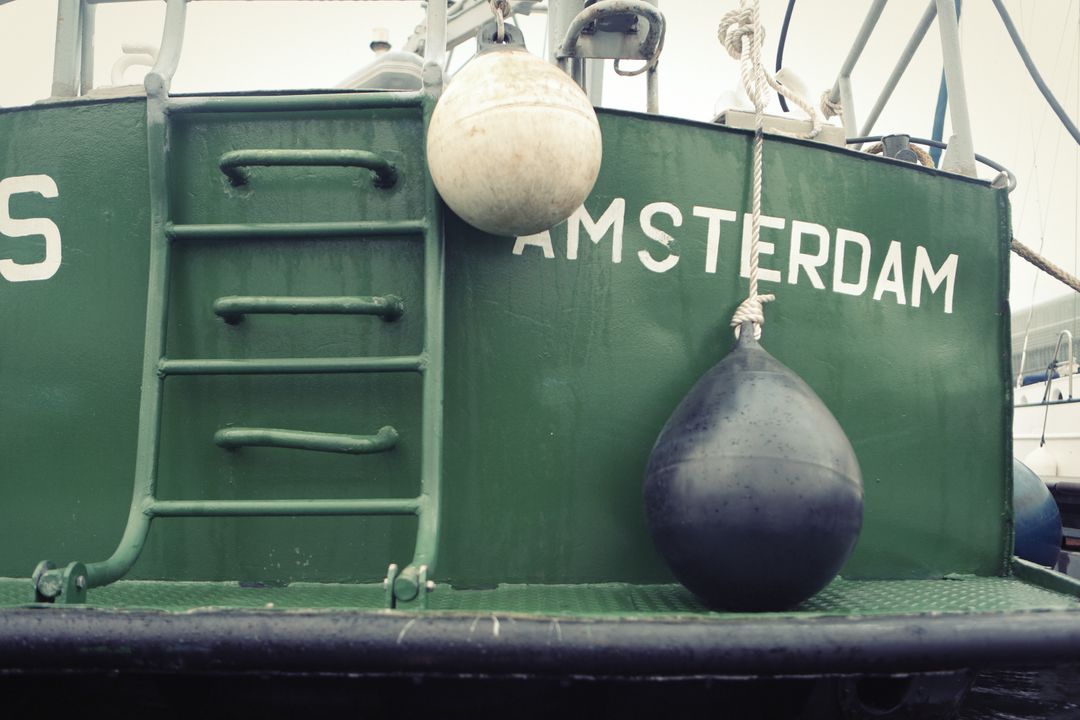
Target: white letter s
(46, 187)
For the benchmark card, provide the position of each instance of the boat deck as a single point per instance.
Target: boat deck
(954, 594)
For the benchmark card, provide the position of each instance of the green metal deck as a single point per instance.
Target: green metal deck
(959, 594)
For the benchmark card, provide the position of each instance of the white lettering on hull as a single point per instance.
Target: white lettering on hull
(613, 219)
(811, 248)
(715, 217)
(665, 239)
(27, 227)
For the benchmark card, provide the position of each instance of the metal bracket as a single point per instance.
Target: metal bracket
(67, 586)
(487, 34)
(615, 23)
(610, 37)
(388, 586)
(408, 585)
(581, 41)
(899, 147)
(612, 16)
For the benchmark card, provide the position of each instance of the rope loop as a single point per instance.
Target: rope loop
(501, 10)
(829, 108)
(752, 309)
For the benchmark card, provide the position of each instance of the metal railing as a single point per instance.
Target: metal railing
(960, 157)
(73, 56)
(1055, 363)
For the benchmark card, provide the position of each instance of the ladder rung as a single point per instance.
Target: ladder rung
(278, 508)
(236, 437)
(233, 308)
(293, 366)
(270, 103)
(310, 230)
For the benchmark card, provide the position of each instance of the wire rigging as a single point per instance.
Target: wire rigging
(1041, 216)
(1034, 72)
(780, 49)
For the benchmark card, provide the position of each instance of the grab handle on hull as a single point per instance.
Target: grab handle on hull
(233, 308)
(237, 437)
(235, 164)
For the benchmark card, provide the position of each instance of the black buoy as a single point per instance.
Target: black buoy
(753, 493)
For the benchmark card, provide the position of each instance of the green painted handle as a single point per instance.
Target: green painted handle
(235, 163)
(233, 308)
(231, 438)
(294, 366)
(305, 507)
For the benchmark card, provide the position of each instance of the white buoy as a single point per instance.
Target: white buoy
(513, 146)
(1042, 462)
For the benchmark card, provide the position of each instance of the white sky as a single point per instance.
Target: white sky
(266, 45)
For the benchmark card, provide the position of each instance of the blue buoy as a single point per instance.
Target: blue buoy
(1036, 518)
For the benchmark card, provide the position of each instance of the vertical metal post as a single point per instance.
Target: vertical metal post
(939, 109)
(157, 305)
(652, 90)
(960, 157)
(435, 42)
(594, 80)
(577, 66)
(411, 582)
(434, 332)
(559, 17)
(939, 119)
(66, 54)
(86, 47)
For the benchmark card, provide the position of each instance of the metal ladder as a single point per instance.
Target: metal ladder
(71, 583)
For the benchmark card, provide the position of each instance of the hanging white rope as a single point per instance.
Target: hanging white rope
(740, 33)
(745, 22)
(501, 10)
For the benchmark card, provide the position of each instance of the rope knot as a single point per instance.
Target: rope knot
(752, 309)
(734, 26)
(828, 107)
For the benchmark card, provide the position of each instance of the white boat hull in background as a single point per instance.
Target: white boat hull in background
(1059, 458)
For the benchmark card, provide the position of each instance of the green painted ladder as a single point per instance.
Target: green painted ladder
(70, 584)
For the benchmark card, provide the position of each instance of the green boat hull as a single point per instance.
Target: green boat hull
(564, 354)
(275, 246)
